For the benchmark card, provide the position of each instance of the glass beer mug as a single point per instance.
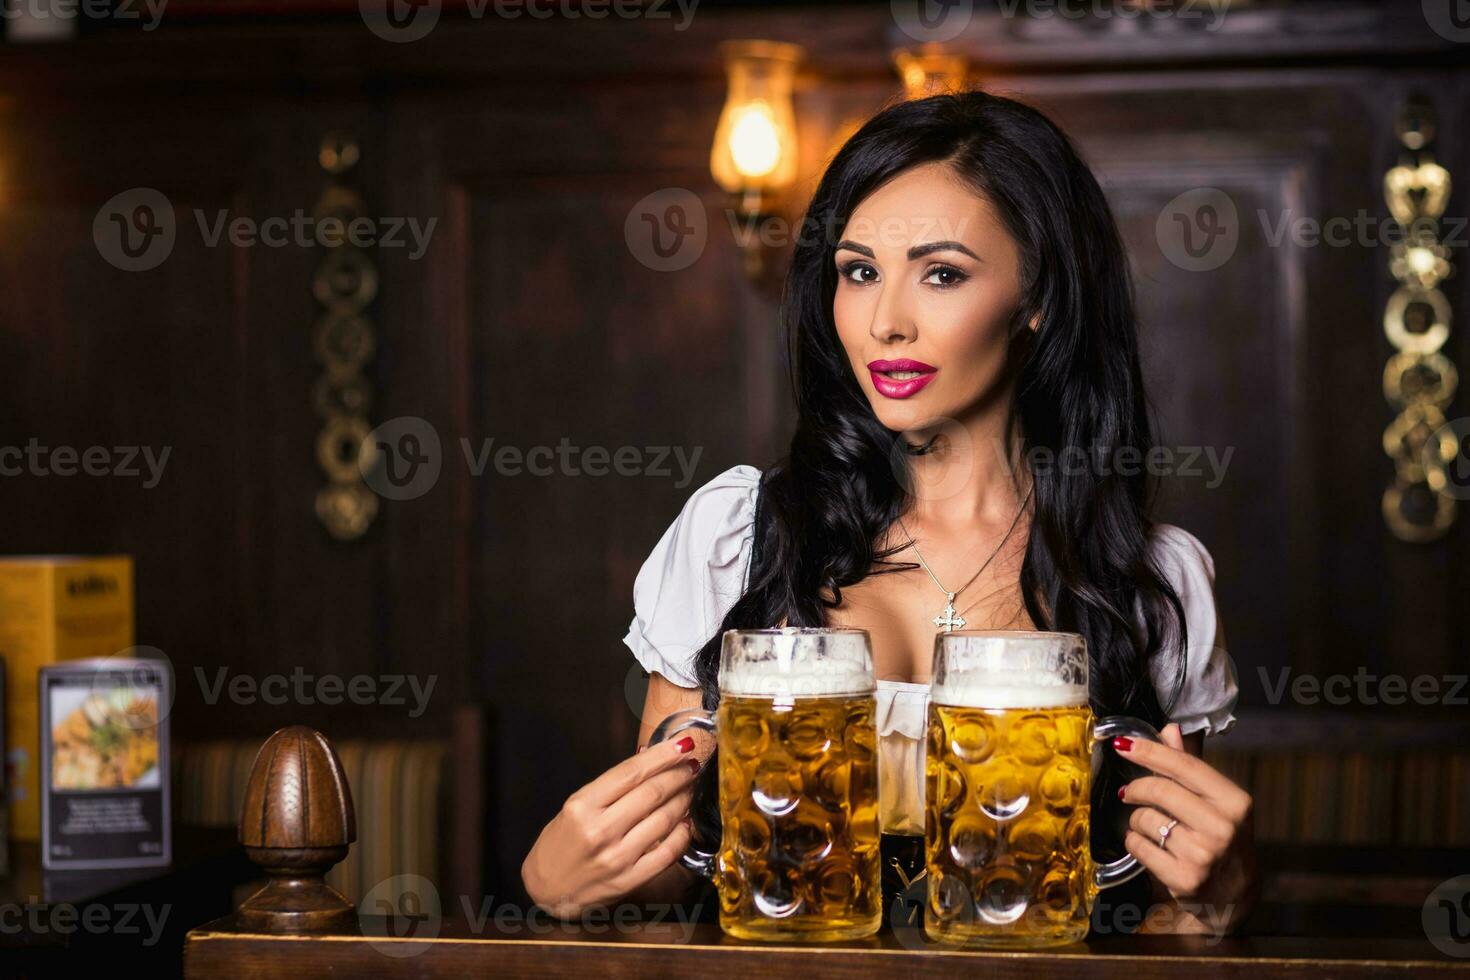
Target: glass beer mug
(1008, 775)
(798, 783)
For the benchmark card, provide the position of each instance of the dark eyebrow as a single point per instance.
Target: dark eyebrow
(917, 252)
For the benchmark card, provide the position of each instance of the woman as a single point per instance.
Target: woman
(970, 410)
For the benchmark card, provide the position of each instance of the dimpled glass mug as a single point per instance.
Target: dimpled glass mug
(798, 782)
(1008, 776)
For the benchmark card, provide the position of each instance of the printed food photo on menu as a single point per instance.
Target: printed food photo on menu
(105, 741)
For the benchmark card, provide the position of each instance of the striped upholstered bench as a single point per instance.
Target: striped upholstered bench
(1337, 779)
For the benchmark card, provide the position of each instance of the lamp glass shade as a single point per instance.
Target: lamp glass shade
(755, 141)
(930, 71)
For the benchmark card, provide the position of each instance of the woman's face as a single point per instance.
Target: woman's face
(928, 283)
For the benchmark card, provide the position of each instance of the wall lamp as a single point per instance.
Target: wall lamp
(931, 70)
(754, 158)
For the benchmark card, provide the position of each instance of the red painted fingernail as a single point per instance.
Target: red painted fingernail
(1122, 791)
(685, 744)
(693, 765)
(1122, 744)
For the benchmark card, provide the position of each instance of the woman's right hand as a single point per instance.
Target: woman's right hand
(616, 833)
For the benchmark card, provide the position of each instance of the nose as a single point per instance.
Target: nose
(892, 317)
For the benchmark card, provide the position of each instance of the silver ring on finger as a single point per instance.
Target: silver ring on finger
(1164, 833)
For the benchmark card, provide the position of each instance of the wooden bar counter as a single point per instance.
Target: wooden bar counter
(221, 949)
(1327, 912)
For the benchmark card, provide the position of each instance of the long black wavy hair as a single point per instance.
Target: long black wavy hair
(1079, 384)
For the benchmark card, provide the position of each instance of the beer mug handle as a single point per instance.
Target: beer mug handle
(1127, 867)
(700, 862)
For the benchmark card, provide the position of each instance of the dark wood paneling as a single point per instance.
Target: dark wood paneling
(529, 320)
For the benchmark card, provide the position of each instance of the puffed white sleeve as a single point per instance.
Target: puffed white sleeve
(1206, 699)
(694, 575)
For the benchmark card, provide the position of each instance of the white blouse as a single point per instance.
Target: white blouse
(699, 569)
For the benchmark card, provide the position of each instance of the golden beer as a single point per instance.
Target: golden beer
(798, 855)
(1006, 830)
(1008, 777)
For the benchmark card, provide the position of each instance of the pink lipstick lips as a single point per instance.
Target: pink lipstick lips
(900, 378)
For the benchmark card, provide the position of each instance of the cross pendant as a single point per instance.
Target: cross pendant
(949, 620)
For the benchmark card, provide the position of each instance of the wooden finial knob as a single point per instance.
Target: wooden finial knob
(297, 822)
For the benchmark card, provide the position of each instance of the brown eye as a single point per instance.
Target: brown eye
(947, 275)
(858, 272)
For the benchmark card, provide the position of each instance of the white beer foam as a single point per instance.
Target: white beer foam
(821, 678)
(1008, 690)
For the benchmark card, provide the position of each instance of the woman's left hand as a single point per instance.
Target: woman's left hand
(1208, 861)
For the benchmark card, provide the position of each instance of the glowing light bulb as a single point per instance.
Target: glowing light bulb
(754, 151)
(755, 141)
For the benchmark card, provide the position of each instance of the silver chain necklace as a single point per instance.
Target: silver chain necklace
(949, 620)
